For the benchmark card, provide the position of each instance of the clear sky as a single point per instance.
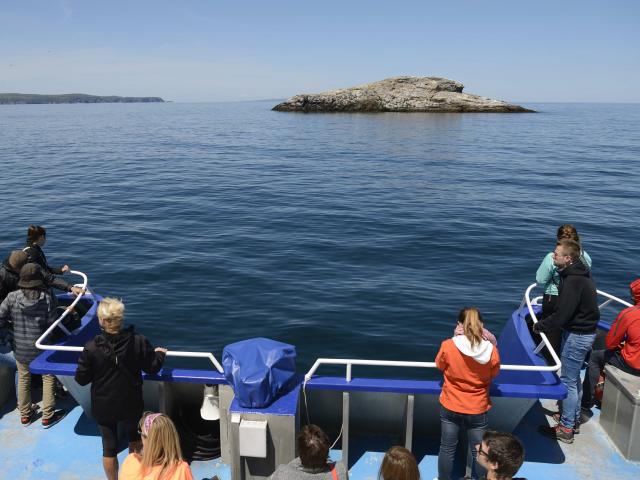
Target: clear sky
(214, 50)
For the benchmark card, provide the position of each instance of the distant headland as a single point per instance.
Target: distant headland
(28, 98)
(398, 94)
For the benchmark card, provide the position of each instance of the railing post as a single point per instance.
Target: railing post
(348, 372)
(408, 432)
(345, 429)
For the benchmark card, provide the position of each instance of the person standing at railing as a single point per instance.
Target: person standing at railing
(548, 277)
(577, 313)
(468, 363)
(36, 238)
(9, 278)
(29, 311)
(113, 363)
(625, 330)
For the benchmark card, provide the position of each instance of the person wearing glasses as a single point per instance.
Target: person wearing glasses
(161, 456)
(501, 454)
(113, 362)
(548, 277)
(577, 313)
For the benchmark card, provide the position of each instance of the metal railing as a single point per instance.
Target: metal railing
(65, 348)
(349, 362)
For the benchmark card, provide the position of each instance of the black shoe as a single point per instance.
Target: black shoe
(55, 418)
(557, 432)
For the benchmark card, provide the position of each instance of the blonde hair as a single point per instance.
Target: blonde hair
(471, 320)
(111, 314)
(161, 447)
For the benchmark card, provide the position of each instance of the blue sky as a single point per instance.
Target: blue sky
(528, 51)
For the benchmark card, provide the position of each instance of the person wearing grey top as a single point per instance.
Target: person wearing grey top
(313, 462)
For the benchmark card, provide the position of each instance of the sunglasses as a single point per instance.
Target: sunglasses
(482, 452)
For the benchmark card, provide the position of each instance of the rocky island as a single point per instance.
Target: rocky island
(398, 94)
(28, 98)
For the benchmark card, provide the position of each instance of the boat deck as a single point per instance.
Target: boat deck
(72, 450)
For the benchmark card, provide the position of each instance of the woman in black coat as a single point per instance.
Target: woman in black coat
(113, 363)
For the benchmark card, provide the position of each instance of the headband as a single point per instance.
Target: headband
(148, 420)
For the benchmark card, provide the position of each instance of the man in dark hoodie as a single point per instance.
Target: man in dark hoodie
(577, 313)
(9, 278)
(30, 311)
(113, 363)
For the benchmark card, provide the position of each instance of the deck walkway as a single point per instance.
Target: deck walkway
(72, 450)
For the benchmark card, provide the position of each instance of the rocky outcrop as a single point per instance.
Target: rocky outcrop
(398, 94)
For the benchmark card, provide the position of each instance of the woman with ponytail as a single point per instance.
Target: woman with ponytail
(161, 457)
(469, 363)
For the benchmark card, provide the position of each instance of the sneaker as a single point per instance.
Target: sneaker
(576, 426)
(55, 418)
(29, 419)
(557, 432)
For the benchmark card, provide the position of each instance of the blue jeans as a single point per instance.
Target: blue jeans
(450, 425)
(575, 348)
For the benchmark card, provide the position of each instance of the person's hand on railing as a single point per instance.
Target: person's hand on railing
(536, 328)
(65, 268)
(77, 291)
(160, 349)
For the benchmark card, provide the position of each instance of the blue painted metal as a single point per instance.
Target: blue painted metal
(284, 405)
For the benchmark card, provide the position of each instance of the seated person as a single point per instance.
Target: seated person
(161, 456)
(501, 454)
(486, 334)
(626, 327)
(399, 464)
(313, 462)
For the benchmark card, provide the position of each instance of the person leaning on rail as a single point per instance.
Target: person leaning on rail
(36, 238)
(622, 348)
(501, 454)
(548, 277)
(313, 462)
(113, 362)
(468, 363)
(30, 310)
(577, 313)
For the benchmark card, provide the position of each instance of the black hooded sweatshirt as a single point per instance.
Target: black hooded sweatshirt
(577, 306)
(9, 279)
(113, 364)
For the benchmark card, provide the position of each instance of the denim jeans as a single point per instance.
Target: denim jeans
(450, 425)
(575, 348)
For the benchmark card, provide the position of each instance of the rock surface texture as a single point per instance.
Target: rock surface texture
(398, 94)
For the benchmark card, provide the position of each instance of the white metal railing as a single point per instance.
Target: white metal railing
(65, 348)
(349, 362)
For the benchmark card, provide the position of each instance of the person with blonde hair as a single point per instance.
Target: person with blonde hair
(113, 362)
(399, 464)
(468, 363)
(161, 456)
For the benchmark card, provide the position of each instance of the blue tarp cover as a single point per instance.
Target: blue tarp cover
(259, 369)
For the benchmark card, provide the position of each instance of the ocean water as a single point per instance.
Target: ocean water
(347, 235)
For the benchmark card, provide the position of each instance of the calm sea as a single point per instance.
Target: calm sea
(352, 235)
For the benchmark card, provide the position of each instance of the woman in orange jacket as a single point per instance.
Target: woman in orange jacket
(468, 363)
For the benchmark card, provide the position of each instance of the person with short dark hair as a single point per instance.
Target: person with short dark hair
(577, 313)
(399, 464)
(501, 454)
(113, 362)
(36, 238)
(9, 278)
(30, 310)
(313, 462)
(548, 277)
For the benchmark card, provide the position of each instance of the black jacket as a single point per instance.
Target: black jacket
(8, 280)
(35, 254)
(113, 364)
(577, 306)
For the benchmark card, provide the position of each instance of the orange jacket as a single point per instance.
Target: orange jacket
(466, 380)
(626, 327)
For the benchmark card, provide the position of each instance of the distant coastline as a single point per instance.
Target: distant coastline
(29, 98)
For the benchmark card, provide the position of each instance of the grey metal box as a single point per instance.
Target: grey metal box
(620, 416)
